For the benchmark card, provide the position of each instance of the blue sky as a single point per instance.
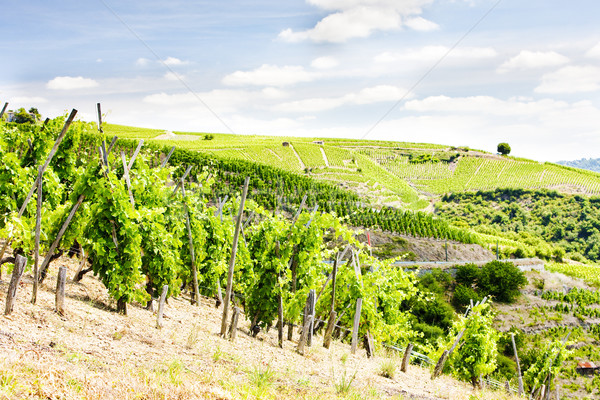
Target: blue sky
(528, 73)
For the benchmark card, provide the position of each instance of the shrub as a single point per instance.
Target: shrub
(505, 342)
(434, 312)
(506, 368)
(501, 280)
(430, 332)
(463, 296)
(467, 275)
(559, 254)
(437, 281)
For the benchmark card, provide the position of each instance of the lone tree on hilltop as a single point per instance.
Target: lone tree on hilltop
(503, 148)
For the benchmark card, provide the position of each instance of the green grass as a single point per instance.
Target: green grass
(131, 132)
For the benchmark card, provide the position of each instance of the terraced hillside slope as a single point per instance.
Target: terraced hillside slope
(387, 173)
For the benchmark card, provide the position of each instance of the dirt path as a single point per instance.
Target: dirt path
(324, 157)
(169, 135)
(302, 166)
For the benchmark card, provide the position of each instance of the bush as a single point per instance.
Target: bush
(434, 312)
(430, 332)
(506, 368)
(558, 253)
(467, 275)
(505, 342)
(501, 280)
(463, 296)
(437, 281)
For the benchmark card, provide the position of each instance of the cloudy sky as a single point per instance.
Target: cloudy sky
(456, 72)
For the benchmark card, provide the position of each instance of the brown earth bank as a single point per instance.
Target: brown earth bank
(94, 353)
(387, 245)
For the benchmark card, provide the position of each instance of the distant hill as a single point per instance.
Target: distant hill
(591, 164)
(398, 174)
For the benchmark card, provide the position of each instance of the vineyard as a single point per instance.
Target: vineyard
(397, 172)
(145, 221)
(154, 223)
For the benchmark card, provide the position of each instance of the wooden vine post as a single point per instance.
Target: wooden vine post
(36, 249)
(3, 109)
(355, 326)
(310, 311)
(167, 157)
(293, 264)
(293, 267)
(61, 232)
(60, 290)
(521, 391)
(406, 358)
(234, 322)
(369, 345)
(439, 367)
(307, 324)
(234, 245)
(192, 255)
(332, 313)
(99, 118)
(20, 263)
(280, 318)
(161, 306)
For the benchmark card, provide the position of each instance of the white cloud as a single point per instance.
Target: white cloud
(360, 18)
(434, 53)
(324, 63)
(487, 105)
(370, 95)
(28, 100)
(571, 79)
(421, 24)
(378, 94)
(273, 93)
(250, 125)
(142, 62)
(71, 83)
(174, 61)
(269, 75)
(219, 100)
(172, 76)
(535, 129)
(594, 52)
(533, 59)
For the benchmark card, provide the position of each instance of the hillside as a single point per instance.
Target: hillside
(93, 353)
(157, 215)
(591, 164)
(387, 173)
